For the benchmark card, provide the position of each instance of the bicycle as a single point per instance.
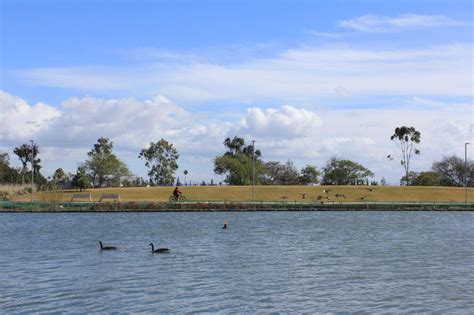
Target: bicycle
(173, 198)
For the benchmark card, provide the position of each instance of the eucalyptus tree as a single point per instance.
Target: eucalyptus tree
(161, 159)
(309, 175)
(26, 154)
(238, 162)
(81, 179)
(406, 139)
(103, 164)
(451, 171)
(344, 172)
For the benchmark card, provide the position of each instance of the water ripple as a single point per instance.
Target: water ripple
(285, 262)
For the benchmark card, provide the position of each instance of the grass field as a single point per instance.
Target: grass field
(275, 193)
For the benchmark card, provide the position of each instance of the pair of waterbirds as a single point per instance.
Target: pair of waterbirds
(153, 250)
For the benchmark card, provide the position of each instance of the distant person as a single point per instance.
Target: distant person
(177, 192)
(225, 225)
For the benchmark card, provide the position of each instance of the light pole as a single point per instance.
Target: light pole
(32, 169)
(253, 170)
(465, 172)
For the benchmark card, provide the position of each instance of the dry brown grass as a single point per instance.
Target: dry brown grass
(13, 191)
(275, 193)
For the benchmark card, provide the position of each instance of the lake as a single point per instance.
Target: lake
(265, 262)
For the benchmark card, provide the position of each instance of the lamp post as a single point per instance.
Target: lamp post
(253, 170)
(32, 169)
(465, 172)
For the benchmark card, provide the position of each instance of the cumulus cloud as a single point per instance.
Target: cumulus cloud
(284, 122)
(66, 132)
(380, 23)
(18, 119)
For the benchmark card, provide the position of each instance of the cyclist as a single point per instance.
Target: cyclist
(177, 192)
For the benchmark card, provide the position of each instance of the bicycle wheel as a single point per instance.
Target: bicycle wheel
(172, 198)
(182, 198)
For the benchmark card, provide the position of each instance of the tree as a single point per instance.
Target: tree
(406, 139)
(271, 175)
(8, 174)
(451, 171)
(290, 175)
(60, 178)
(104, 165)
(309, 175)
(280, 174)
(81, 180)
(411, 176)
(344, 172)
(26, 153)
(237, 162)
(161, 159)
(425, 179)
(185, 174)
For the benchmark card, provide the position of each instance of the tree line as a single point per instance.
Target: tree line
(240, 164)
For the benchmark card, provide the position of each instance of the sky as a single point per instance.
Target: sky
(307, 80)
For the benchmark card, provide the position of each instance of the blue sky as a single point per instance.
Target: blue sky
(227, 67)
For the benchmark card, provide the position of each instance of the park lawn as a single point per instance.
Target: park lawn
(275, 193)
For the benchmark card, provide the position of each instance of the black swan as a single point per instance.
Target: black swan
(102, 247)
(159, 250)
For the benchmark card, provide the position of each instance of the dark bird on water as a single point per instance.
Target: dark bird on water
(159, 250)
(102, 247)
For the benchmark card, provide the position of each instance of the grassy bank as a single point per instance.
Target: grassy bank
(313, 194)
(14, 192)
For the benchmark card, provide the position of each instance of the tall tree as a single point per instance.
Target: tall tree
(185, 174)
(237, 162)
(161, 159)
(309, 175)
(103, 164)
(26, 154)
(344, 172)
(406, 139)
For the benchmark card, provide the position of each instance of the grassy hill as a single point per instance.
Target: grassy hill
(276, 193)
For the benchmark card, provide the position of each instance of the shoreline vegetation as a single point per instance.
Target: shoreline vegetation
(40, 206)
(239, 198)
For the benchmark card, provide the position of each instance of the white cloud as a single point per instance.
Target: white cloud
(65, 133)
(20, 120)
(325, 34)
(302, 74)
(380, 23)
(285, 122)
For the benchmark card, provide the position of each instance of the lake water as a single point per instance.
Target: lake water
(265, 262)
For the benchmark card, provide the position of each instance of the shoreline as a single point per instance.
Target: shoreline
(208, 206)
